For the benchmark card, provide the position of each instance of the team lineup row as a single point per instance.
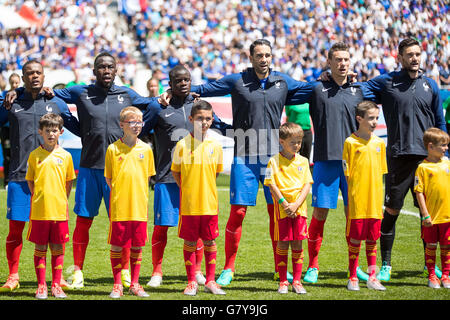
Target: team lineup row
(259, 95)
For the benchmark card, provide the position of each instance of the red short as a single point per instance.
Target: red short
(127, 234)
(43, 232)
(437, 233)
(289, 229)
(191, 228)
(364, 229)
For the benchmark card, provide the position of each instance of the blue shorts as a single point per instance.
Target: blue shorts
(328, 178)
(244, 182)
(91, 188)
(18, 201)
(166, 204)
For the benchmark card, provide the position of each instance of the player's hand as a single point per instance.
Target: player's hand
(48, 92)
(165, 97)
(427, 222)
(351, 76)
(10, 97)
(324, 76)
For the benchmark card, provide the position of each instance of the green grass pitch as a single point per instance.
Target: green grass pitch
(254, 264)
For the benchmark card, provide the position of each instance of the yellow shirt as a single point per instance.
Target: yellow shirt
(129, 170)
(433, 180)
(199, 162)
(50, 171)
(364, 164)
(290, 176)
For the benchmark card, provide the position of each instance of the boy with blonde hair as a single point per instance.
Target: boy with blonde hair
(197, 161)
(431, 185)
(364, 161)
(49, 176)
(129, 164)
(289, 180)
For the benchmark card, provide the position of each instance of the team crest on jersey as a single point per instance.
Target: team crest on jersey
(120, 158)
(300, 169)
(277, 84)
(120, 98)
(353, 90)
(59, 161)
(48, 108)
(426, 86)
(141, 156)
(378, 149)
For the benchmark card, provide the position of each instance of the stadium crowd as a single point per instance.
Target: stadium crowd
(212, 36)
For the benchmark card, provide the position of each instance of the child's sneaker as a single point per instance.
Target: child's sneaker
(353, 284)
(125, 277)
(117, 291)
(137, 290)
(41, 292)
(191, 289)
(297, 287)
(433, 282)
(283, 288)
(375, 284)
(58, 292)
(214, 288)
(445, 280)
(12, 283)
(155, 280)
(200, 278)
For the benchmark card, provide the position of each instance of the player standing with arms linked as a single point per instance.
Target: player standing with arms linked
(411, 104)
(23, 117)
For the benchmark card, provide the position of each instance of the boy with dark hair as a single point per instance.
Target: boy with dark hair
(197, 161)
(49, 176)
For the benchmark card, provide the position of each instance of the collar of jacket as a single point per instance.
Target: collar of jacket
(177, 102)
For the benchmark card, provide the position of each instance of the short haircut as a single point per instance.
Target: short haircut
(364, 106)
(127, 111)
(177, 69)
(289, 129)
(103, 54)
(51, 120)
(200, 105)
(407, 43)
(26, 64)
(338, 46)
(259, 42)
(435, 136)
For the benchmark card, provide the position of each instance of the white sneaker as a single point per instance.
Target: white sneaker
(214, 288)
(375, 284)
(155, 281)
(41, 292)
(283, 288)
(117, 291)
(138, 291)
(200, 278)
(191, 289)
(353, 284)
